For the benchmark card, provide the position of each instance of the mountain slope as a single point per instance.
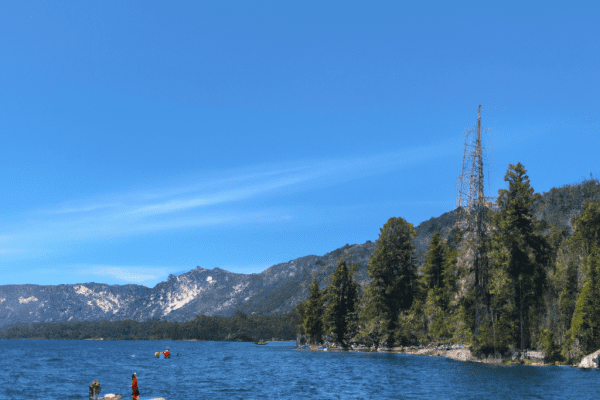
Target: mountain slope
(200, 291)
(218, 292)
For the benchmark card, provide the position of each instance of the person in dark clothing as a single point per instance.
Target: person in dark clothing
(135, 393)
(94, 390)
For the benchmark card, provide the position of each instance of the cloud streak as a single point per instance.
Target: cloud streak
(213, 199)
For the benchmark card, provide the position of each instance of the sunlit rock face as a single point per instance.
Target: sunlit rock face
(591, 360)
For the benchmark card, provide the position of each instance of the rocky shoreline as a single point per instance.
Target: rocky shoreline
(535, 358)
(463, 353)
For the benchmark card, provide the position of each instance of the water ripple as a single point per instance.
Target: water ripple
(223, 370)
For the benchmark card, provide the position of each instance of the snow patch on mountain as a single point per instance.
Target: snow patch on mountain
(27, 300)
(107, 305)
(224, 305)
(82, 290)
(239, 288)
(179, 300)
(106, 301)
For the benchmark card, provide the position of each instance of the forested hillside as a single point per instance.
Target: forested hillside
(530, 281)
(240, 327)
(560, 206)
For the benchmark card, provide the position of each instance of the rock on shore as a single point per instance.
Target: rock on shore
(460, 354)
(529, 357)
(591, 360)
(532, 357)
(456, 354)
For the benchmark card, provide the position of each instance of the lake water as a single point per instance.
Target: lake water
(61, 369)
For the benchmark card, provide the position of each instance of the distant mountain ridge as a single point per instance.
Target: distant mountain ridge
(180, 298)
(218, 292)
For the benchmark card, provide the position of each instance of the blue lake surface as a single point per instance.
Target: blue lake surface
(63, 369)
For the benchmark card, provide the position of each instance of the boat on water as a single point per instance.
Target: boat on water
(262, 342)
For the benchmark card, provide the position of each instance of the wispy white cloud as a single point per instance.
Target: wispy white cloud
(212, 199)
(10, 251)
(82, 209)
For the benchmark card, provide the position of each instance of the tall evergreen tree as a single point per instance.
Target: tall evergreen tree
(564, 288)
(312, 320)
(450, 276)
(340, 304)
(434, 262)
(439, 280)
(517, 253)
(585, 325)
(393, 283)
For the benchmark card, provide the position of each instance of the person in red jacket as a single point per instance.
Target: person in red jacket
(135, 393)
(166, 353)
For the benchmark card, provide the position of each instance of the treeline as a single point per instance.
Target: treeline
(503, 281)
(240, 327)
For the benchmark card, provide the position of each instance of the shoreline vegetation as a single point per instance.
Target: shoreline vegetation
(507, 282)
(240, 327)
(463, 353)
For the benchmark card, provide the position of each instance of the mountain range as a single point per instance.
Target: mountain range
(218, 292)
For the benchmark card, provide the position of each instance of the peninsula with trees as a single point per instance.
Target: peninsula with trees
(527, 278)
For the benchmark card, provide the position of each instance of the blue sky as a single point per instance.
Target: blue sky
(143, 139)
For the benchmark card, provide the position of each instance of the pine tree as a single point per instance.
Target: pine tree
(585, 325)
(450, 277)
(393, 283)
(549, 346)
(340, 304)
(312, 320)
(517, 253)
(438, 278)
(564, 285)
(434, 262)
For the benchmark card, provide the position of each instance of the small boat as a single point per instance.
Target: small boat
(260, 342)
